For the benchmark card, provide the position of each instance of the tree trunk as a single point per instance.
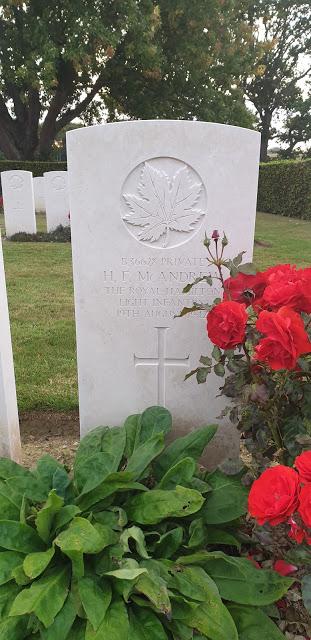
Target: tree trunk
(266, 119)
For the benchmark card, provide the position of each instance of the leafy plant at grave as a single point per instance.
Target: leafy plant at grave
(131, 546)
(60, 234)
(261, 335)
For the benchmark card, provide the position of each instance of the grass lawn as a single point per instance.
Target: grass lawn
(40, 292)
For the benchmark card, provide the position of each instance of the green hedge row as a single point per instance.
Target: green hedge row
(285, 188)
(36, 166)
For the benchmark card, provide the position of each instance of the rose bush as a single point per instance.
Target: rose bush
(261, 332)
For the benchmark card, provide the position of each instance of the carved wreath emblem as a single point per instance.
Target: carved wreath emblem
(164, 204)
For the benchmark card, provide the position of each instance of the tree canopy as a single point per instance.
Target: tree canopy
(63, 59)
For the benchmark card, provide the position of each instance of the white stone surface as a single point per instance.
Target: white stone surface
(38, 188)
(56, 199)
(10, 445)
(178, 180)
(18, 202)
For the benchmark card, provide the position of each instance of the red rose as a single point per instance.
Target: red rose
(284, 288)
(286, 338)
(304, 508)
(274, 496)
(244, 288)
(296, 532)
(303, 466)
(226, 324)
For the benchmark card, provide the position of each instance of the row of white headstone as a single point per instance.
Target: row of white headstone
(24, 195)
(142, 196)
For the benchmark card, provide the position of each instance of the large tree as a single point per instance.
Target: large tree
(296, 131)
(282, 48)
(67, 59)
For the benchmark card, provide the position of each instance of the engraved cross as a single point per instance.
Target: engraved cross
(161, 362)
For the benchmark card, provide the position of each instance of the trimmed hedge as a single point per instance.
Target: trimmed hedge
(36, 166)
(285, 188)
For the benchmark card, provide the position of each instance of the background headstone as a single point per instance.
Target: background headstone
(10, 445)
(38, 188)
(18, 202)
(142, 195)
(56, 199)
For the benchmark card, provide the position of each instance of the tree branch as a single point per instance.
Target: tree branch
(70, 114)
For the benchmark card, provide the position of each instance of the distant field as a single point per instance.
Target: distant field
(40, 291)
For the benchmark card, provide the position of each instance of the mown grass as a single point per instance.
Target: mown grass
(40, 293)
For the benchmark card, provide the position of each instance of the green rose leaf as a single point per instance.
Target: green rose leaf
(45, 597)
(156, 505)
(306, 591)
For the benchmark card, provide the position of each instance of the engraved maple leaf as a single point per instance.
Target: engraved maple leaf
(164, 204)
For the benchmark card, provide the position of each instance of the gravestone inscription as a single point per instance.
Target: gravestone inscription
(18, 202)
(142, 195)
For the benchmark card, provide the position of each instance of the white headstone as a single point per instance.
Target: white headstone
(56, 199)
(18, 202)
(38, 188)
(10, 445)
(142, 195)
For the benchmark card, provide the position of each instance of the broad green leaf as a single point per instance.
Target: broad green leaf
(144, 454)
(63, 622)
(145, 625)
(154, 420)
(10, 469)
(211, 617)
(83, 537)
(8, 593)
(115, 625)
(181, 473)
(95, 598)
(253, 624)
(238, 580)
(221, 537)
(169, 543)
(9, 560)
(156, 505)
(45, 516)
(132, 427)
(61, 482)
(16, 536)
(192, 445)
(306, 591)
(136, 534)
(91, 471)
(65, 515)
(114, 517)
(227, 500)
(197, 533)
(35, 563)
(109, 442)
(154, 587)
(28, 486)
(9, 507)
(77, 632)
(45, 597)
(13, 628)
(129, 570)
(120, 481)
(46, 470)
(19, 576)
